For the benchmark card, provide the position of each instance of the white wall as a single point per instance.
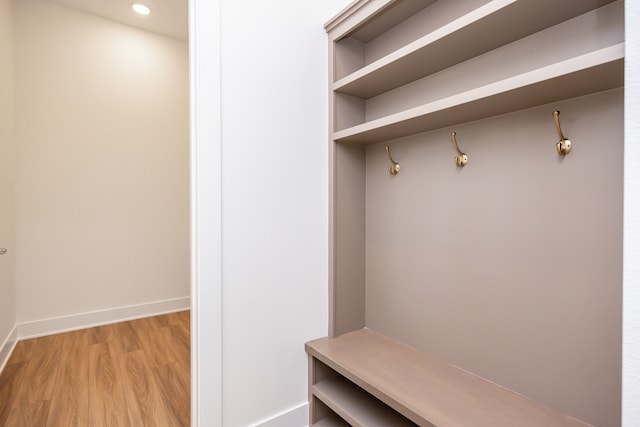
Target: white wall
(102, 198)
(274, 202)
(631, 308)
(7, 148)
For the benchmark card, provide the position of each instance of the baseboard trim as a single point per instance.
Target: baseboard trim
(296, 417)
(7, 347)
(55, 325)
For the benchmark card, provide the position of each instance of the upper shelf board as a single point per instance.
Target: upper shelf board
(388, 17)
(586, 74)
(492, 25)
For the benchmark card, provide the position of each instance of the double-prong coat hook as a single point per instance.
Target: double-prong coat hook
(462, 159)
(564, 145)
(395, 168)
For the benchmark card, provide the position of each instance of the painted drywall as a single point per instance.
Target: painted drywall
(274, 201)
(631, 307)
(102, 198)
(7, 149)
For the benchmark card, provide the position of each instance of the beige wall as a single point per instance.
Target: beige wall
(510, 268)
(102, 163)
(7, 146)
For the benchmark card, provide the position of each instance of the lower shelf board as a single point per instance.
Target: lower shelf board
(357, 406)
(334, 421)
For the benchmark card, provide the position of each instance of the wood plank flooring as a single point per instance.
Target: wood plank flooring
(129, 374)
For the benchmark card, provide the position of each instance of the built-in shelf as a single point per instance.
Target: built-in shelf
(490, 26)
(589, 73)
(400, 68)
(376, 376)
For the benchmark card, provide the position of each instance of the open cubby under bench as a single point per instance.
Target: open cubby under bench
(363, 378)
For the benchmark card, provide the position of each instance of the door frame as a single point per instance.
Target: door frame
(206, 215)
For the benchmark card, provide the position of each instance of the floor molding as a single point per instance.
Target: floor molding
(296, 417)
(7, 346)
(55, 325)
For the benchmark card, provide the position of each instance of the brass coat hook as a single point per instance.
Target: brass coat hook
(462, 159)
(393, 170)
(564, 145)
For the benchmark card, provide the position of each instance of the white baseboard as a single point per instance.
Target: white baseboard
(55, 325)
(296, 417)
(7, 347)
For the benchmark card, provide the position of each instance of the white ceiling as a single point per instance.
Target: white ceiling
(168, 17)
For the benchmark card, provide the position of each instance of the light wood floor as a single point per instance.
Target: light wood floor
(134, 373)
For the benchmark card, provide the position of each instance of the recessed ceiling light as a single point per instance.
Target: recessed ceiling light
(141, 9)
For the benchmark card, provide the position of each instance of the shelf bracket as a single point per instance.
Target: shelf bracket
(564, 145)
(462, 159)
(395, 169)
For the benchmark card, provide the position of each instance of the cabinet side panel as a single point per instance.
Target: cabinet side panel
(349, 111)
(318, 371)
(349, 57)
(510, 267)
(349, 239)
